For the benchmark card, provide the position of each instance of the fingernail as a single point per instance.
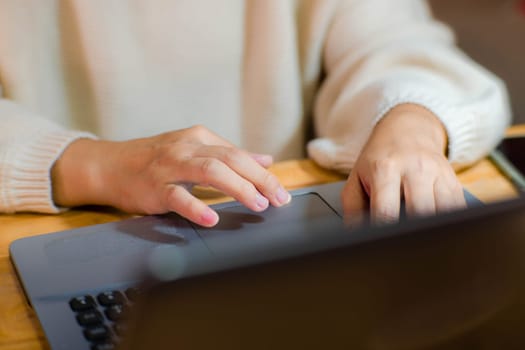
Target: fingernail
(261, 202)
(283, 197)
(209, 218)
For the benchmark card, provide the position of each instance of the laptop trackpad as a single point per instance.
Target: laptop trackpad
(241, 231)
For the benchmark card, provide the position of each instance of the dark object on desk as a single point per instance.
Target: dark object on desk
(509, 157)
(451, 282)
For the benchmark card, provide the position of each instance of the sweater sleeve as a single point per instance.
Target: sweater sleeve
(381, 53)
(29, 146)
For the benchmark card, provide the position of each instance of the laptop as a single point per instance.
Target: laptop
(80, 282)
(454, 281)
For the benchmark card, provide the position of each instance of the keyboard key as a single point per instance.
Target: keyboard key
(90, 318)
(115, 312)
(82, 303)
(97, 334)
(111, 298)
(96, 329)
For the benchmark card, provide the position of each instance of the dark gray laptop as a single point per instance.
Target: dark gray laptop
(451, 282)
(80, 282)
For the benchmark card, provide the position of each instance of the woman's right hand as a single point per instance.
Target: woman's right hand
(151, 175)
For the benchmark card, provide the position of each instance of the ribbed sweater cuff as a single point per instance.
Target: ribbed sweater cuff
(27, 172)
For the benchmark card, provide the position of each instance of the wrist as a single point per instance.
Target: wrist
(415, 123)
(78, 175)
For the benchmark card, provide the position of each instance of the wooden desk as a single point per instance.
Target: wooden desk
(19, 328)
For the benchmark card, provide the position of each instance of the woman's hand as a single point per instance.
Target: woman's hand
(405, 157)
(151, 175)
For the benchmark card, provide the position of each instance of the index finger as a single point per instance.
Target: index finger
(209, 138)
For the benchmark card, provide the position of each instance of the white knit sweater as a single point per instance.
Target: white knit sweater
(253, 71)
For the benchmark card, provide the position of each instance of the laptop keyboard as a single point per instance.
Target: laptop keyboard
(100, 316)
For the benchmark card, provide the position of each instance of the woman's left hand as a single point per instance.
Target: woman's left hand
(405, 157)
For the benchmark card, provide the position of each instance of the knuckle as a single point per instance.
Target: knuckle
(198, 131)
(419, 167)
(270, 181)
(209, 169)
(231, 155)
(385, 166)
(178, 154)
(169, 155)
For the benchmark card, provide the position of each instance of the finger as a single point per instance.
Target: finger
(449, 194)
(355, 201)
(385, 196)
(243, 164)
(264, 160)
(419, 195)
(205, 136)
(179, 200)
(213, 172)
